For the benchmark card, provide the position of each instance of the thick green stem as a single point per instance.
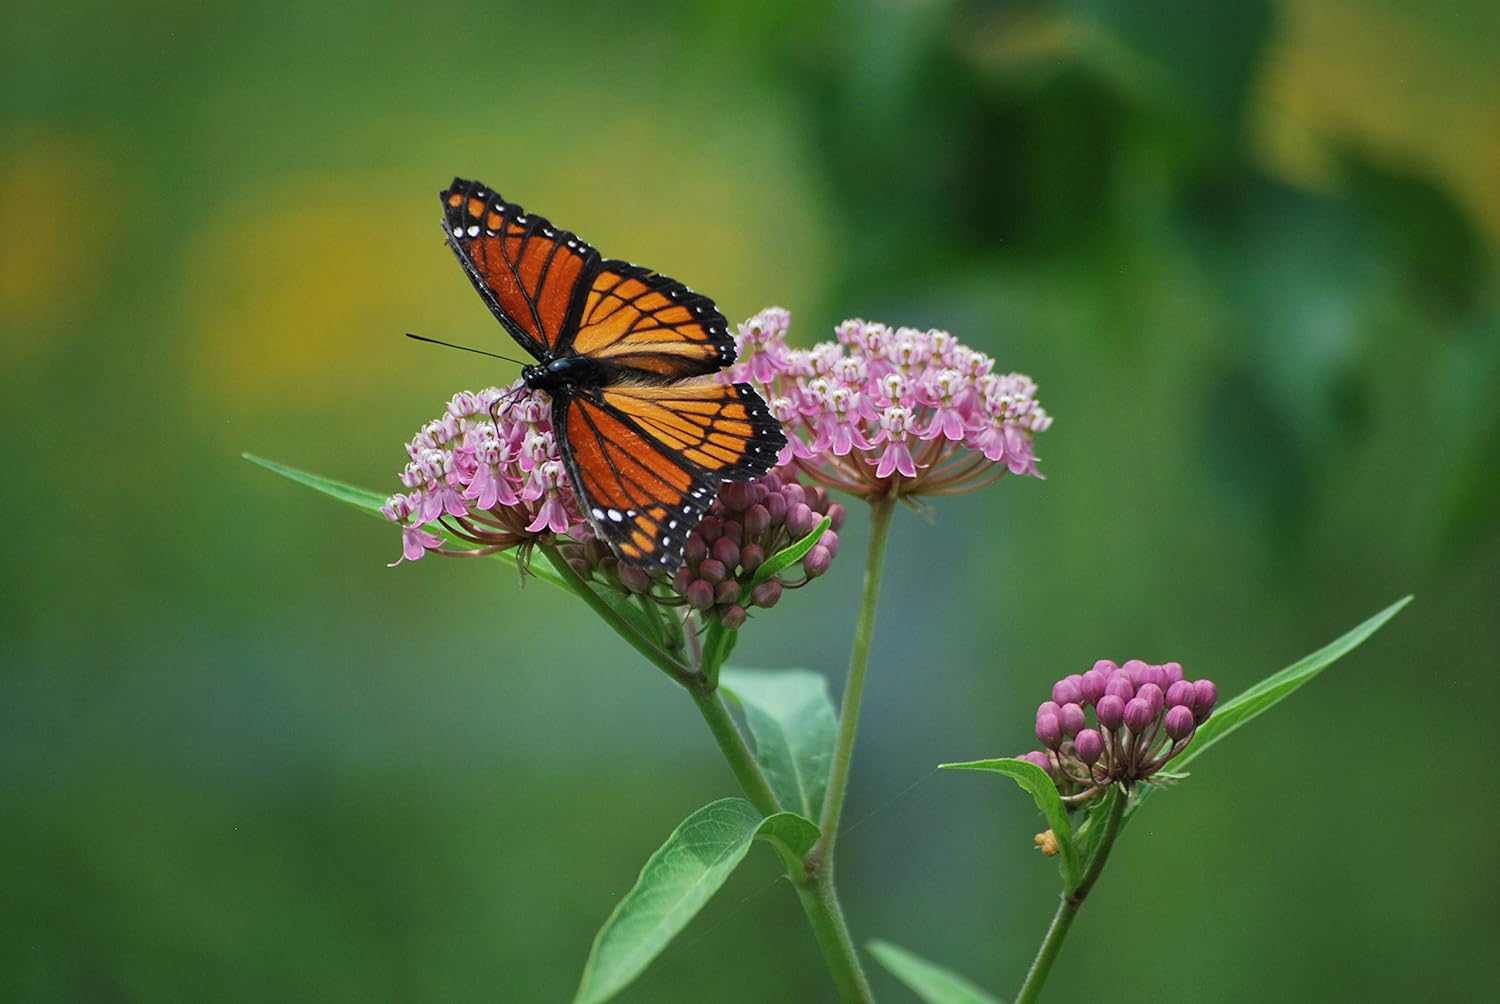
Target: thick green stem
(1067, 909)
(732, 744)
(658, 658)
(820, 901)
(820, 858)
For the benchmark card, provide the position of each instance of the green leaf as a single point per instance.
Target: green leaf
(369, 502)
(792, 719)
(1266, 694)
(929, 981)
(675, 884)
(1271, 691)
(1044, 793)
(791, 554)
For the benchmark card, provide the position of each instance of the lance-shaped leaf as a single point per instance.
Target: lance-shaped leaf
(1044, 793)
(791, 717)
(791, 554)
(927, 980)
(1240, 710)
(676, 882)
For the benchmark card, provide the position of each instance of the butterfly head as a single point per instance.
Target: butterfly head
(564, 373)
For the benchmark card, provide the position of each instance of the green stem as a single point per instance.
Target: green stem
(820, 858)
(1067, 909)
(732, 744)
(658, 658)
(820, 901)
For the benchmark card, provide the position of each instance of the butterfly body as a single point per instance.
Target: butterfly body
(630, 359)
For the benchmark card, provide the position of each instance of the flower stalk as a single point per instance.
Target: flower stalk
(1070, 902)
(820, 858)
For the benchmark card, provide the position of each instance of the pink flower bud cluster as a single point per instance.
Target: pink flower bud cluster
(1143, 716)
(494, 481)
(746, 525)
(886, 410)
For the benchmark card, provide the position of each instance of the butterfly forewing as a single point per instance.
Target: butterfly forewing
(530, 273)
(636, 318)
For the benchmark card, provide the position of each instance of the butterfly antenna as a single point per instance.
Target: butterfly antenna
(466, 348)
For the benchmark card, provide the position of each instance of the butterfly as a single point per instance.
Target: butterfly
(646, 427)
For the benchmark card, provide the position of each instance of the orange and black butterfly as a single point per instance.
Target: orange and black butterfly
(630, 358)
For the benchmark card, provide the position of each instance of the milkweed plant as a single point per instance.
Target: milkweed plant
(874, 417)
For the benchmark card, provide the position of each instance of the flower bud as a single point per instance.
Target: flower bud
(711, 570)
(794, 494)
(830, 540)
(776, 507)
(1120, 686)
(710, 529)
(1072, 719)
(835, 514)
(1089, 746)
(734, 495)
(727, 592)
(700, 594)
(817, 561)
(800, 520)
(1173, 670)
(733, 618)
(1106, 666)
(695, 550)
(1067, 690)
(1154, 675)
(1132, 669)
(732, 531)
(1180, 692)
(1180, 722)
(757, 520)
(1111, 711)
(1151, 693)
(1138, 715)
(681, 578)
(1048, 708)
(726, 552)
(767, 593)
(1037, 759)
(634, 578)
(1205, 696)
(1093, 684)
(1049, 731)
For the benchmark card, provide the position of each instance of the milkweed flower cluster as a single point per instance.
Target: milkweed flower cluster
(747, 524)
(1143, 716)
(494, 481)
(882, 411)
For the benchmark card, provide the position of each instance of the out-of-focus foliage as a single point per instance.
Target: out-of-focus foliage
(1248, 251)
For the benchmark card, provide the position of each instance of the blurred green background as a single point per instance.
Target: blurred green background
(1247, 250)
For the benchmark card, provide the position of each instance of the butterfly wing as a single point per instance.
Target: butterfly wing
(647, 460)
(633, 317)
(531, 274)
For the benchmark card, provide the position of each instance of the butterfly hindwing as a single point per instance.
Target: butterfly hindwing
(647, 460)
(530, 273)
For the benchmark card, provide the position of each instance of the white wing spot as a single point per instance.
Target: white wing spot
(473, 231)
(598, 513)
(614, 514)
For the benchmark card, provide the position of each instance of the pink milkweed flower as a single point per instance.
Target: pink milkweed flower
(415, 541)
(884, 411)
(553, 514)
(895, 423)
(487, 471)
